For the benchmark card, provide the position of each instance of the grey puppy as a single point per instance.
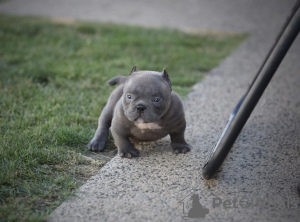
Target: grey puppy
(142, 108)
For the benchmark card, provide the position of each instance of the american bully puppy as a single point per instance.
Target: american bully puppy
(141, 108)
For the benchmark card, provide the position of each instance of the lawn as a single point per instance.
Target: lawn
(52, 78)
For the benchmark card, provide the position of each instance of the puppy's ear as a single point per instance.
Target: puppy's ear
(166, 77)
(134, 69)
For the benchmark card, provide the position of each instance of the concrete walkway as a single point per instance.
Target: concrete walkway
(259, 179)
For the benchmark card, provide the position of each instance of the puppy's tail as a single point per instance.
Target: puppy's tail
(117, 80)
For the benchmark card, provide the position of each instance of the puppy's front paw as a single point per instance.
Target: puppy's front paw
(98, 142)
(180, 147)
(129, 152)
(96, 145)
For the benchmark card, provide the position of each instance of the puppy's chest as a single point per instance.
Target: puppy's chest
(148, 126)
(147, 131)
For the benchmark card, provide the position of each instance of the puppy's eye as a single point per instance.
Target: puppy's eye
(156, 99)
(129, 96)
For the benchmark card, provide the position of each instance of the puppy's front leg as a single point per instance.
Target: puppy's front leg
(102, 132)
(178, 142)
(104, 122)
(125, 147)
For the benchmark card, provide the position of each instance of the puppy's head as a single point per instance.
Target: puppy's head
(146, 95)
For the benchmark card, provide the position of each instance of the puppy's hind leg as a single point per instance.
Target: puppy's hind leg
(104, 122)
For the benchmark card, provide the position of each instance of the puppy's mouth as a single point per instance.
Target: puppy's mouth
(139, 119)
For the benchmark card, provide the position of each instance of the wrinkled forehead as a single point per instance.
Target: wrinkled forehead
(145, 82)
(143, 76)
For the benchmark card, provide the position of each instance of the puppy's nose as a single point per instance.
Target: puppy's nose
(140, 107)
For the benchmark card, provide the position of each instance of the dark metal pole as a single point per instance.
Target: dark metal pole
(244, 108)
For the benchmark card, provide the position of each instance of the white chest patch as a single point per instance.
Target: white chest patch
(150, 126)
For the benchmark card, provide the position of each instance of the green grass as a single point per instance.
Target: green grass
(52, 84)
